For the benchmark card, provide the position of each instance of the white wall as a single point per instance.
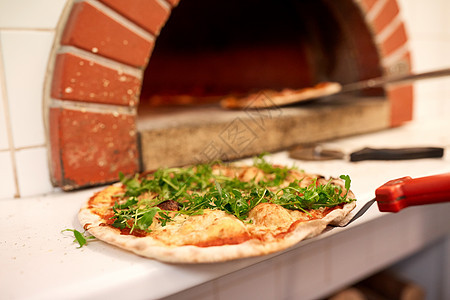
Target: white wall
(27, 29)
(428, 26)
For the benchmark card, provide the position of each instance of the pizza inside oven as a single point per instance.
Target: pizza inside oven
(216, 212)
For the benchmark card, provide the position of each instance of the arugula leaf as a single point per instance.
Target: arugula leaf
(280, 172)
(130, 202)
(146, 220)
(347, 181)
(80, 238)
(163, 217)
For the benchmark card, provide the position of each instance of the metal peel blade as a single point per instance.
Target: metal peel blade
(357, 215)
(271, 99)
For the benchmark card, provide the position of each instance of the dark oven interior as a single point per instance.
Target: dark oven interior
(209, 49)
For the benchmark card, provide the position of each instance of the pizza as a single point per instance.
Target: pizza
(272, 98)
(216, 212)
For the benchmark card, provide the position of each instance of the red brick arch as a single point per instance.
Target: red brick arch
(95, 76)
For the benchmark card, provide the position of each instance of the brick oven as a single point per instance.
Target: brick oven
(134, 85)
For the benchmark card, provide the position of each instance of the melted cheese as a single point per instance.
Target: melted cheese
(270, 215)
(102, 201)
(213, 227)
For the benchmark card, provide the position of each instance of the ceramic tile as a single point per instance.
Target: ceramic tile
(431, 96)
(407, 10)
(431, 99)
(429, 54)
(7, 189)
(32, 171)
(30, 13)
(3, 128)
(424, 16)
(25, 56)
(3, 132)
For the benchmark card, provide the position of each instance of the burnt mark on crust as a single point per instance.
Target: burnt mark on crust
(171, 205)
(86, 226)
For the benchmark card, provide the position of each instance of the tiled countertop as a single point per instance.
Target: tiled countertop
(40, 262)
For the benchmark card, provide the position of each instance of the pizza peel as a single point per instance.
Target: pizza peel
(271, 99)
(404, 192)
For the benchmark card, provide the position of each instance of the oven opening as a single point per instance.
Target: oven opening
(211, 49)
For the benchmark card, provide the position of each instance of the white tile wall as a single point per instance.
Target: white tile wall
(25, 73)
(428, 26)
(32, 14)
(4, 145)
(8, 186)
(26, 34)
(32, 171)
(27, 29)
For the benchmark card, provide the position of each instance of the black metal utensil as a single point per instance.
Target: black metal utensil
(318, 152)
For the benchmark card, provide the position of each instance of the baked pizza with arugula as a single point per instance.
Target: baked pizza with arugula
(216, 212)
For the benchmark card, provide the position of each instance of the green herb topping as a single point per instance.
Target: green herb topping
(198, 188)
(80, 238)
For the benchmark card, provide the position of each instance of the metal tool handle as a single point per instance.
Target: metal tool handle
(400, 193)
(397, 154)
(401, 79)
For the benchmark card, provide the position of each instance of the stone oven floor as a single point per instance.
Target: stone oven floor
(177, 137)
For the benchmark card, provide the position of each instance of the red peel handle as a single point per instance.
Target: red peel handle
(400, 193)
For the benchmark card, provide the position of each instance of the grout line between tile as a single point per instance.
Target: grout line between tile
(30, 147)
(5, 105)
(43, 29)
(37, 146)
